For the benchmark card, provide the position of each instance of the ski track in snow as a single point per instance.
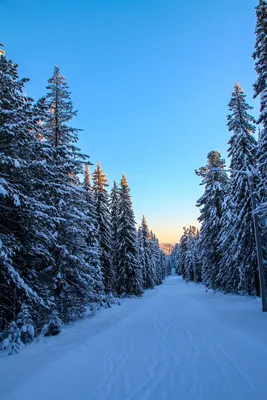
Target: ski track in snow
(177, 342)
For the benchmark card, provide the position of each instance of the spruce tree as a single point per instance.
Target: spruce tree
(55, 232)
(156, 259)
(22, 215)
(165, 267)
(211, 208)
(129, 280)
(174, 258)
(191, 261)
(93, 248)
(181, 251)
(71, 230)
(242, 152)
(141, 252)
(104, 223)
(185, 255)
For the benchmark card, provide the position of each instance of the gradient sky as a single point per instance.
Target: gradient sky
(151, 80)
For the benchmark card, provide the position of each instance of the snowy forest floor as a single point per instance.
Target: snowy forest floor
(177, 342)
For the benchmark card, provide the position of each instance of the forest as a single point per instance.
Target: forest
(68, 246)
(222, 254)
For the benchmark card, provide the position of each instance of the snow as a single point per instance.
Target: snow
(3, 191)
(16, 200)
(177, 342)
(16, 164)
(19, 281)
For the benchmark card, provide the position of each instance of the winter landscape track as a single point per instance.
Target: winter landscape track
(177, 342)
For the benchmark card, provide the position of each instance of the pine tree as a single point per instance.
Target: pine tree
(211, 204)
(104, 224)
(129, 280)
(242, 152)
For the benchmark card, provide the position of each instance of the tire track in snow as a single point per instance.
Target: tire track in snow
(151, 386)
(113, 366)
(220, 356)
(184, 359)
(171, 347)
(159, 382)
(219, 349)
(187, 358)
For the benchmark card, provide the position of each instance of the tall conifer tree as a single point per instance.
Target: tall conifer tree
(242, 152)
(148, 271)
(192, 262)
(104, 223)
(211, 208)
(73, 272)
(129, 280)
(22, 243)
(114, 223)
(93, 249)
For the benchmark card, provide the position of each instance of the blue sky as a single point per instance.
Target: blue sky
(151, 80)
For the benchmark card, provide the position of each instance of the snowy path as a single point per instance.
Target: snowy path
(178, 342)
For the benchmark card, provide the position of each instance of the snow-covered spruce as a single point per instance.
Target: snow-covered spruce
(102, 204)
(239, 262)
(151, 258)
(145, 256)
(97, 296)
(114, 210)
(73, 282)
(25, 218)
(186, 255)
(56, 237)
(211, 208)
(129, 273)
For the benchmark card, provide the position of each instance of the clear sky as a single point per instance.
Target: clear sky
(151, 80)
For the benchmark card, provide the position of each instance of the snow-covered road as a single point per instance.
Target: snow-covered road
(177, 342)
